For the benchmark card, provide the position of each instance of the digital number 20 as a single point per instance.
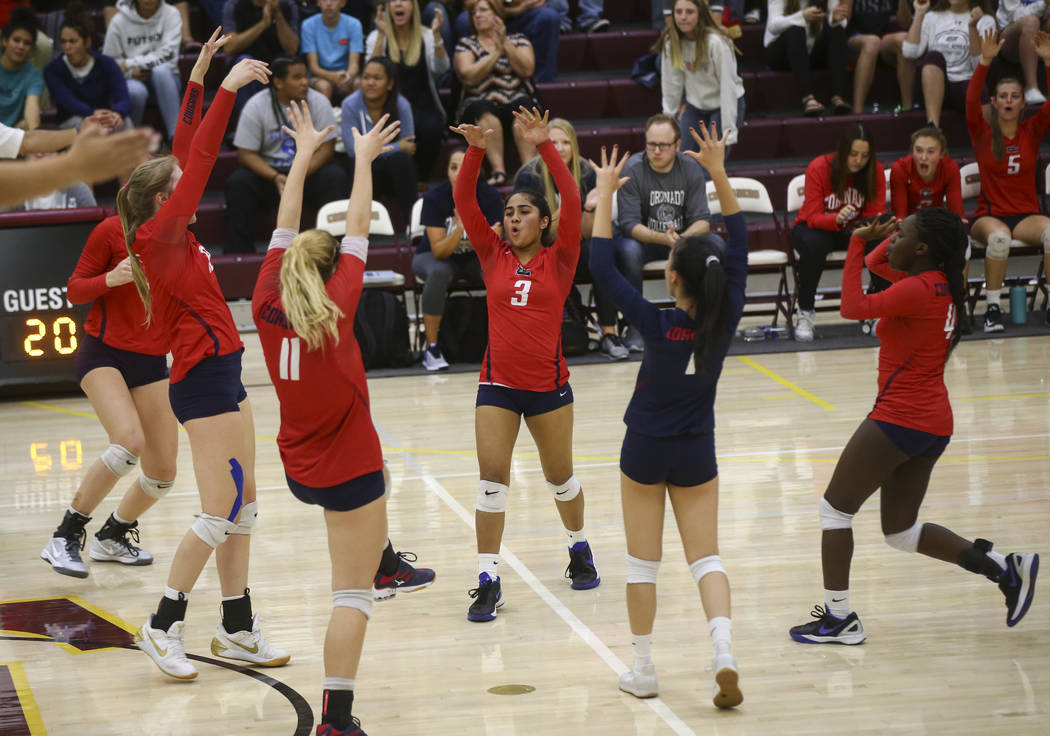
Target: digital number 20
(521, 293)
(64, 344)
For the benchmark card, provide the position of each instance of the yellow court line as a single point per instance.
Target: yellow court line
(25, 697)
(786, 383)
(1007, 396)
(59, 409)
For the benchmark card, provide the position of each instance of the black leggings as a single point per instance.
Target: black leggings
(788, 53)
(813, 247)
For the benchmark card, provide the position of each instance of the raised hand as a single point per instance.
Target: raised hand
(108, 119)
(531, 125)
(99, 157)
(302, 131)
(1042, 45)
(246, 71)
(435, 24)
(922, 7)
(877, 229)
(712, 154)
(474, 135)
(990, 46)
(208, 50)
(608, 178)
(368, 146)
(380, 22)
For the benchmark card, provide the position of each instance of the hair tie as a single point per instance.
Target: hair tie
(711, 258)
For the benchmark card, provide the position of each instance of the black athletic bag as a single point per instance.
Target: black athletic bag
(381, 329)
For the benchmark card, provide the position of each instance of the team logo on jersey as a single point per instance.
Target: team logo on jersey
(925, 192)
(522, 271)
(1013, 149)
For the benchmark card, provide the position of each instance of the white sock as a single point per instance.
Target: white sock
(489, 564)
(74, 511)
(642, 646)
(576, 536)
(837, 602)
(338, 683)
(991, 296)
(174, 594)
(232, 597)
(721, 630)
(117, 519)
(998, 558)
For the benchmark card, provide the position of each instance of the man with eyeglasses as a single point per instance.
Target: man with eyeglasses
(665, 199)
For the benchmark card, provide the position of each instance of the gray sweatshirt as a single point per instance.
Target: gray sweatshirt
(658, 201)
(144, 43)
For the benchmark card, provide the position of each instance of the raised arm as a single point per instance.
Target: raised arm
(990, 47)
(367, 147)
(1041, 119)
(464, 194)
(307, 140)
(904, 297)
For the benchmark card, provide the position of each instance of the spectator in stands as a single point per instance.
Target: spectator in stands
(421, 59)
(333, 43)
(841, 188)
(1019, 22)
(21, 83)
(496, 71)
(394, 173)
(537, 22)
(926, 177)
(262, 29)
(664, 200)
(74, 195)
(265, 153)
(212, 10)
(444, 253)
(698, 58)
(947, 40)
(873, 34)
(1007, 152)
(83, 81)
(588, 19)
(143, 38)
(798, 38)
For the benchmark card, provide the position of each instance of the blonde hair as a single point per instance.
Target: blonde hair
(706, 25)
(307, 264)
(415, 37)
(549, 191)
(136, 205)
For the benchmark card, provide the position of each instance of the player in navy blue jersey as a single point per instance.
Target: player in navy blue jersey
(669, 448)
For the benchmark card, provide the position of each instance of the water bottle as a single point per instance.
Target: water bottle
(1018, 305)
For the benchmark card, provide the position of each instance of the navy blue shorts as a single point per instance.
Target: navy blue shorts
(683, 460)
(212, 387)
(138, 369)
(1012, 221)
(914, 442)
(353, 494)
(521, 402)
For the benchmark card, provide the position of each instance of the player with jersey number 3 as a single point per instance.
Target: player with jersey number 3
(527, 279)
(896, 447)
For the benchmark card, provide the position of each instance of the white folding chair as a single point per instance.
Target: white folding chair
(970, 180)
(415, 224)
(332, 218)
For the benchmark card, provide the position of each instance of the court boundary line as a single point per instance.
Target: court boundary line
(577, 626)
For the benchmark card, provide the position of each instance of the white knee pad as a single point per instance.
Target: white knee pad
(155, 488)
(213, 530)
(706, 566)
(567, 491)
(1045, 237)
(998, 247)
(907, 540)
(492, 497)
(249, 513)
(832, 518)
(119, 461)
(642, 571)
(359, 599)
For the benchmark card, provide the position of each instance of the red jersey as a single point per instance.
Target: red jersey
(908, 192)
(117, 316)
(1008, 187)
(187, 300)
(526, 301)
(916, 323)
(326, 436)
(821, 205)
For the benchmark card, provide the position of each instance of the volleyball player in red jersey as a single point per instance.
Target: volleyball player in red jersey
(926, 177)
(527, 279)
(897, 446)
(1007, 153)
(174, 278)
(304, 305)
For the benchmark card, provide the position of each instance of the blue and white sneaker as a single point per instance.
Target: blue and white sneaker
(581, 570)
(829, 630)
(487, 598)
(1018, 584)
(407, 579)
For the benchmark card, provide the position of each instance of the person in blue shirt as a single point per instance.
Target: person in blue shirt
(333, 43)
(21, 83)
(669, 447)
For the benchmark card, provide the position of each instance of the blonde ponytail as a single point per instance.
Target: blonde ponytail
(307, 264)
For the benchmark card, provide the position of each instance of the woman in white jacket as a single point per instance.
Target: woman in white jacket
(1021, 21)
(947, 39)
(144, 38)
(698, 58)
(801, 34)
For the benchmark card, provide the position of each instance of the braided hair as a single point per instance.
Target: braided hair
(945, 236)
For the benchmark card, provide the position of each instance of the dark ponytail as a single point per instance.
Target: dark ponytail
(698, 260)
(945, 236)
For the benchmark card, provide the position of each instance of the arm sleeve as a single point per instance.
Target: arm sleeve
(268, 283)
(62, 94)
(975, 123)
(635, 308)
(357, 41)
(10, 141)
(777, 22)
(88, 280)
(118, 88)
(113, 44)
(915, 50)
(36, 82)
(879, 263)
(370, 44)
(899, 190)
(876, 204)
(464, 194)
(568, 241)
(307, 41)
(437, 66)
(817, 186)
(953, 188)
(724, 61)
(672, 82)
(189, 120)
(904, 297)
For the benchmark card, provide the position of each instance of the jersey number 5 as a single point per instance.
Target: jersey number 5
(521, 293)
(288, 368)
(1013, 164)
